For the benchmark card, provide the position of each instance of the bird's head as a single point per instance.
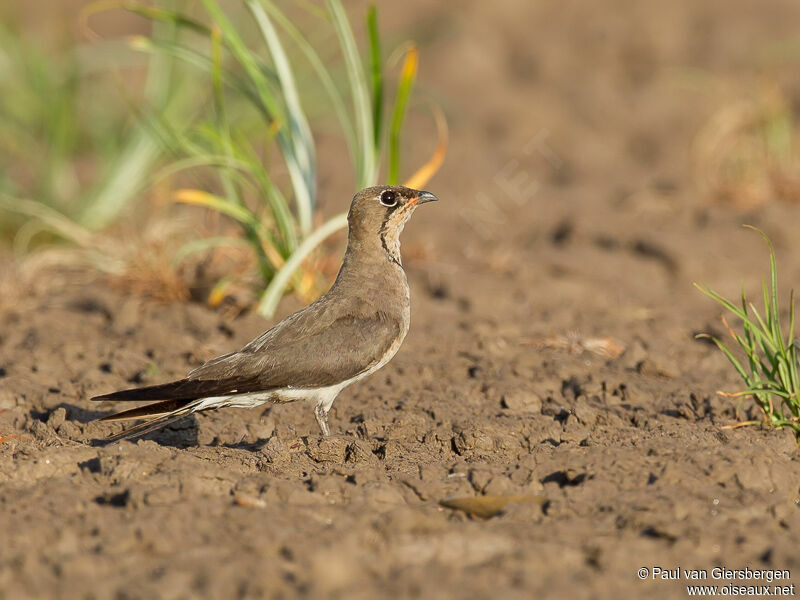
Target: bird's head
(378, 214)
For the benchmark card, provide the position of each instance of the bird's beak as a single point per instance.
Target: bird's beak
(424, 197)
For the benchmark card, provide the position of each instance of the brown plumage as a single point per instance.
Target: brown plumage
(347, 334)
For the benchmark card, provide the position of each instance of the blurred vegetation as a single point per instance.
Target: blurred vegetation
(770, 369)
(747, 154)
(224, 107)
(73, 153)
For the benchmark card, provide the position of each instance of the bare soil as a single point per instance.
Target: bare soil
(571, 209)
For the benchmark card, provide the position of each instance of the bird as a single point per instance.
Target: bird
(347, 334)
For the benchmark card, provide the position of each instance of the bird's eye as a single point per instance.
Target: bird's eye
(389, 198)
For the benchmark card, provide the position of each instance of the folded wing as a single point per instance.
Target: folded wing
(313, 348)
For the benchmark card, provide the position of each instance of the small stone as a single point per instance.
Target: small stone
(587, 415)
(574, 432)
(57, 417)
(328, 449)
(654, 368)
(479, 478)
(382, 497)
(522, 401)
(360, 451)
(500, 485)
(275, 450)
(41, 431)
(68, 430)
(461, 443)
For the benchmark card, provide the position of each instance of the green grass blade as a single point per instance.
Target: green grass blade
(172, 139)
(767, 309)
(302, 141)
(733, 360)
(726, 303)
(751, 349)
(268, 99)
(50, 217)
(406, 83)
(200, 61)
(167, 16)
(763, 334)
(272, 194)
(772, 353)
(773, 276)
(367, 165)
(254, 230)
(376, 76)
(771, 306)
(790, 330)
(222, 130)
(322, 73)
(767, 390)
(200, 160)
(757, 328)
(773, 329)
(791, 353)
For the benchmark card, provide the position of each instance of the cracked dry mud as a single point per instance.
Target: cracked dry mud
(629, 452)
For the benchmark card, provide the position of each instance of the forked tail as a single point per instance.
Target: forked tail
(156, 415)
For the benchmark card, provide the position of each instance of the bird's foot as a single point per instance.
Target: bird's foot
(322, 419)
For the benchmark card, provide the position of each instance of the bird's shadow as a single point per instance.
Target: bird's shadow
(180, 434)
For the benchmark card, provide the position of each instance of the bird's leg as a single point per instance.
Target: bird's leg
(322, 419)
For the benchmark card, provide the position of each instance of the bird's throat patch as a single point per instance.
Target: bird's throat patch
(390, 232)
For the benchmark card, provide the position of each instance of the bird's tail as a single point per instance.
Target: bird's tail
(156, 415)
